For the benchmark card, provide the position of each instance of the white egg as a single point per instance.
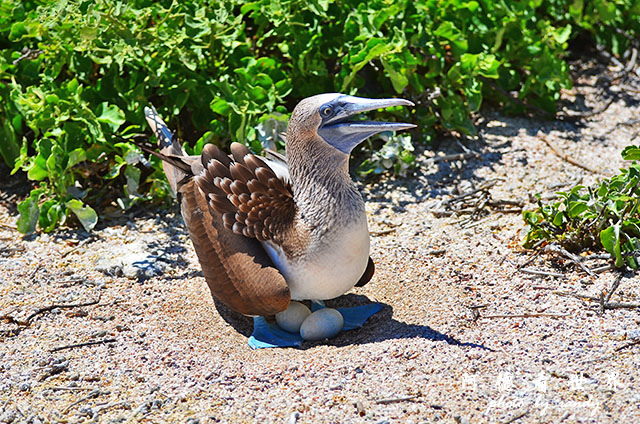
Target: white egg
(322, 324)
(291, 318)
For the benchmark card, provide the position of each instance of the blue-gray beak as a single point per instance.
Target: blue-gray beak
(344, 135)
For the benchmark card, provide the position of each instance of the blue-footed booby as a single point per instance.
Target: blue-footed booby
(269, 231)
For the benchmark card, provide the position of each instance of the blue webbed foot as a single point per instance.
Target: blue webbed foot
(354, 317)
(270, 335)
(267, 335)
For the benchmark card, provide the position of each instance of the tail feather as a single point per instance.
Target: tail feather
(166, 139)
(177, 165)
(177, 161)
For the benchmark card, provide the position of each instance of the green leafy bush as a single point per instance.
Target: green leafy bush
(606, 216)
(613, 24)
(74, 73)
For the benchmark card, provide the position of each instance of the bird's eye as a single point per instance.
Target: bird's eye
(326, 112)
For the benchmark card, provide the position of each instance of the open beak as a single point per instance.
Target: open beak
(344, 134)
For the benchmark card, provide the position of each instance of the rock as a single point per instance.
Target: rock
(633, 334)
(322, 324)
(8, 417)
(131, 260)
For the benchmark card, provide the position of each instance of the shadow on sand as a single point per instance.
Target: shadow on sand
(378, 328)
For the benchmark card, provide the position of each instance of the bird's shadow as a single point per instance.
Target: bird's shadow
(381, 326)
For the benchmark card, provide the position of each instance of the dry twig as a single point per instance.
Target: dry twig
(629, 123)
(630, 65)
(475, 203)
(78, 246)
(564, 156)
(62, 306)
(382, 232)
(608, 56)
(71, 389)
(602, 269)
(98, 409)
(22, 324)
(613, 288)
(72, 346)
(457, 156)
(138, 410)
(628, 345)
(600, 300)
(580, 115)
(540, 272)
(396, 400)
(554, 248)
(531, 315)
(435, 252)
(90, 395)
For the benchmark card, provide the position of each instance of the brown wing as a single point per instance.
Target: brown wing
(247, 193)
(368, 273)
(237, 269)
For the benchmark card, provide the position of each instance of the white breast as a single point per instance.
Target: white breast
(328, 269)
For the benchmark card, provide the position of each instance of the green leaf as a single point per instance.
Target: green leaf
(86, 215)
(610, 239)
(576, 9)
(38, 171)
(29, 212)
(9, 147)
(114, 171)
(50, 214)
(449, 31)
(631, 153)
(562, 34)
(220, 106)
(25, 29)
(111, 115)
(375, 47)
(398, 80)
(132, 175)
(558, 219)
(577, 208)
(75, 157)
(488, 66)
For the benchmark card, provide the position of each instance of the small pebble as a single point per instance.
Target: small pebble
(8, 417)
(633, 334)
(360, 409)
(293, 418)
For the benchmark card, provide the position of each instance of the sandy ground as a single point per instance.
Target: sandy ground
(166, 353)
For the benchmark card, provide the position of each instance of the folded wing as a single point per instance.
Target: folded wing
(237, 269)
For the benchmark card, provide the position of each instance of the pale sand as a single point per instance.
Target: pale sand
(422, 359)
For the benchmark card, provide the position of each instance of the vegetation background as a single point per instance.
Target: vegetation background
(75, 76)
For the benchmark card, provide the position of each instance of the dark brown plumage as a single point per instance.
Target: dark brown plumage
(237, 269)
(248, 195)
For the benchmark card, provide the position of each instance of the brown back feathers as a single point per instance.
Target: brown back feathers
(246, 192)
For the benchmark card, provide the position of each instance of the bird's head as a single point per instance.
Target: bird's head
(327, 116)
